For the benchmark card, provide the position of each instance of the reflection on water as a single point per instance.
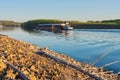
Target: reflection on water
(79, 44)
(6, 29)
(65, 33)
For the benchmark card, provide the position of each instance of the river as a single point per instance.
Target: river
(82, 45)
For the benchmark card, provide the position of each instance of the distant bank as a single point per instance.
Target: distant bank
(106, 24)
(5, 23)
(31, 24)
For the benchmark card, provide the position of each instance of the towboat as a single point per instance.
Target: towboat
(67, 28)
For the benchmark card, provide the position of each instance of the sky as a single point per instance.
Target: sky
(82, 10)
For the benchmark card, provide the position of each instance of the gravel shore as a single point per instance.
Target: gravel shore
(20, 57)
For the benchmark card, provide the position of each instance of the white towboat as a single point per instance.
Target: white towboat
(67, 27)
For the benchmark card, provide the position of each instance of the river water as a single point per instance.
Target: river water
(82, 45)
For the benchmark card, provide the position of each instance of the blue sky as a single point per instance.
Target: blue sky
(82, 10)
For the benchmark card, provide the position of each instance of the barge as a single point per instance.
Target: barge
(62, 26)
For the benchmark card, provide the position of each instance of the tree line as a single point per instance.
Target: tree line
(31, 24)
(10, 23)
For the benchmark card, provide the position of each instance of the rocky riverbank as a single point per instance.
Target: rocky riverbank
(18, 57)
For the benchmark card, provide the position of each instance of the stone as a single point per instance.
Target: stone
(2, 66)
(26, 72)
(10, 74)
(32, 68)
(32, 77)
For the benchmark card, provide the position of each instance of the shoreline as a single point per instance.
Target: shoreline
(32, 52)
